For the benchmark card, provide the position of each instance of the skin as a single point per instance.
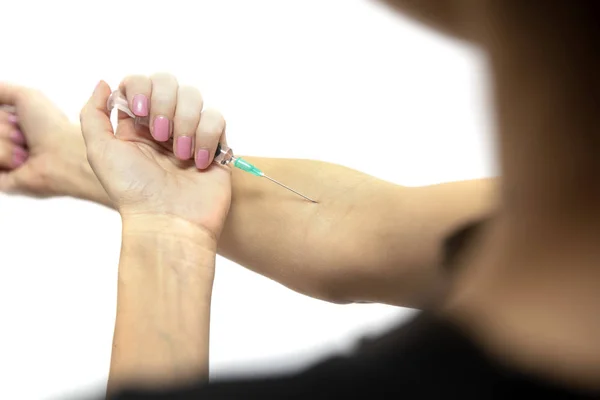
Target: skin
(528, 292)
(163, 309)
(160, 229)
(168, 251)
(169, 245)
(396, 256)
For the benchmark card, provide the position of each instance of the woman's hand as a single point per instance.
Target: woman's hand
(42, 154)
(141, 177)
(173, 210)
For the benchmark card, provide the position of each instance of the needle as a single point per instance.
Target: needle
(223, 155)
(288, 188)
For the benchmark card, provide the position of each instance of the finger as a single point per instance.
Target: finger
(137, 89)
(8, 117)
(11, 132)
(162, 106)
(95, 118)
(210, 130)
(11, 155)
(187, 117)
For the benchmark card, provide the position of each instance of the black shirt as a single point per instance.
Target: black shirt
(427, 358)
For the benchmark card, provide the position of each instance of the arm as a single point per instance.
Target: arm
(169, 243)
(166, 273)
(366, 240)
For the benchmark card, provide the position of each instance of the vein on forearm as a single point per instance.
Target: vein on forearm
(163, 310)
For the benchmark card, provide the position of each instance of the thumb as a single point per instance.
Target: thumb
(95, 117)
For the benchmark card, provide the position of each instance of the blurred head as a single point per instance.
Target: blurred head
(457, 18)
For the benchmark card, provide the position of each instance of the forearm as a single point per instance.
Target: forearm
(365, 240)
(161, 334)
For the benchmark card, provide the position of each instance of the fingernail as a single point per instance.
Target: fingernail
(140, 105)
(202, 158)
(183, 147)
(12, 118)
(19, 157)
(17, 137)
(161, 130)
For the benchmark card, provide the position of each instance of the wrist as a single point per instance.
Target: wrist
(171, 245)
(167, 229)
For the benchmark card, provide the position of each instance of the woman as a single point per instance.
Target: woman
(521, 316)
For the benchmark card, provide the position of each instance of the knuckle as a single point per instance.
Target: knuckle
(162, 105)
(133, 79)
(162, 100)
(213, 120)
(185, 124)
(134, 83)
(164, 78)
(187, 119)
(190, 92)
(209, 133)
(164, 97)
(213, 114)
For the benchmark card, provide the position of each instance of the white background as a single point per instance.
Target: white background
(344, 81)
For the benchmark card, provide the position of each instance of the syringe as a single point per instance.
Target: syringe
(223, 156)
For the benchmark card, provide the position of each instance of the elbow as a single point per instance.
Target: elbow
(325, 288)
(335, 298)
(337, 288)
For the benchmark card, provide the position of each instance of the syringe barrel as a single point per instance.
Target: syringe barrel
(118, 101)
(223, 155)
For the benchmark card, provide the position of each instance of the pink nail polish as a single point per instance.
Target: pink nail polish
(17, 137)
(12, 118)
(161, 130)
(140, 105)
(19, 157)
(202, 158)
(183, 147)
